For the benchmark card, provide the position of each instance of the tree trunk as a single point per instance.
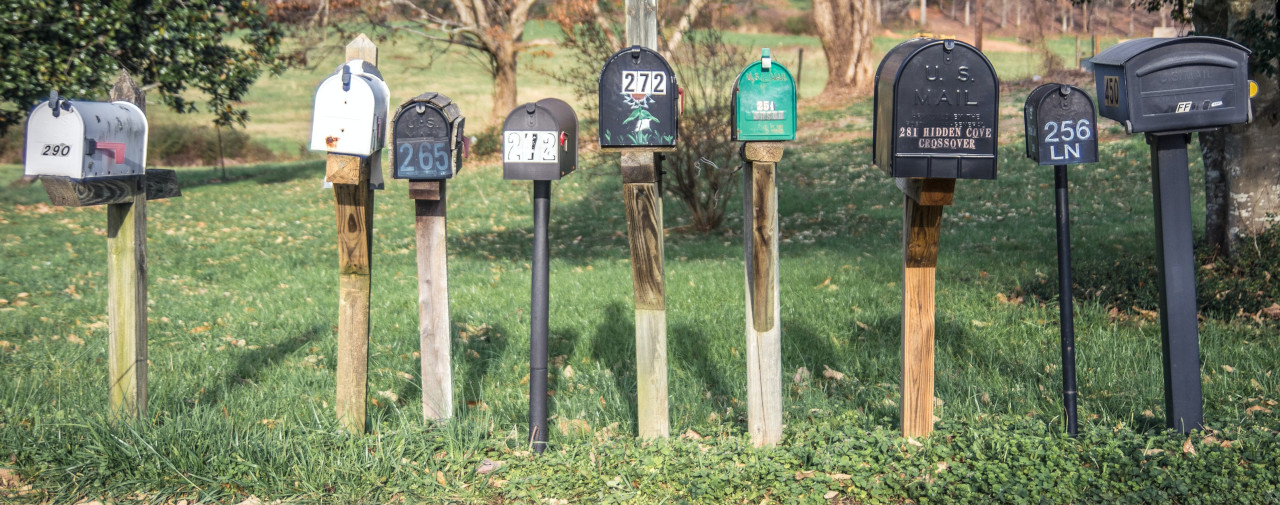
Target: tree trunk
(844, 27)
(504, 80)
(924, 11)
(1241, 162)
(1004, 13)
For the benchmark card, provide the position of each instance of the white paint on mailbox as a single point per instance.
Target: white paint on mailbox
(85, 140)
(351, 118)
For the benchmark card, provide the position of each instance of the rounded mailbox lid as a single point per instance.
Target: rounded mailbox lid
(764, 97)
(639, 100)
(425, 135)
(83, 140)
(1061, 125)
(937, 104)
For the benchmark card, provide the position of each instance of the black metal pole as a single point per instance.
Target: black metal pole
(538, 319)
(1171, 189)
(1066, 317)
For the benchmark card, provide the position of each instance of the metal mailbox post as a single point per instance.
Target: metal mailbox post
(428, 146)
(639, 117)
(1168, 88)
(1061, 129)
(95, 153)
(349, 122)
(764, 106)
(539, 143)
(936, 120)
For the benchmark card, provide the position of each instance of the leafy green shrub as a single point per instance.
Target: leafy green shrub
(488, 141)
(182, 145)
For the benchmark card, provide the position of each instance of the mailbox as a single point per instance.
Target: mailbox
(764, 102)
(85, 140)
(540, 141)
(350, 113)
(1061, 126)
(639, 100)
(1173, 84)
(427, 138)
(936, 111)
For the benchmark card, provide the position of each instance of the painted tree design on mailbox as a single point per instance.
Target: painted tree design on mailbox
(639, 100)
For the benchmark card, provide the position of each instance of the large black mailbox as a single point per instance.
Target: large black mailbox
(540, 141)
(936, 111)
(1173, 84)
(639, 100)
(1061, 126)
(428, 138)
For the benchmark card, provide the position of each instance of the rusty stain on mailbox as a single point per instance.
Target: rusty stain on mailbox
(936, 111)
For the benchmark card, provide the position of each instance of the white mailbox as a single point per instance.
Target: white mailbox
(350, 112)
(85, 140)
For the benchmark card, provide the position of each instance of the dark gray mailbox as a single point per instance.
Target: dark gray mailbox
(1061, 126)
(936, 111)
(428, 138)
(639, 100)
(540, 141)
(1173, 84)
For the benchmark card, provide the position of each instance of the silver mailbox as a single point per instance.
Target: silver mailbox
(350, 111)
(85, 140)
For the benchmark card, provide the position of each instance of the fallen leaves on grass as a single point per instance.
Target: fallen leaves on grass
(832, 374)
(488, 466)
(1188, 447)
(1273, 311)
(802, 375)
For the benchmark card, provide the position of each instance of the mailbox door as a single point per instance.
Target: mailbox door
(945, 113)
(1061, 126)
(422, 139)
(764, 104)
(532, 144)
(639, 100)
(568, 121)
(55, 145)
(348, 122)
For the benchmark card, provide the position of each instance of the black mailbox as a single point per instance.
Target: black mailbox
(936, 111)
(1174, 84)
(540, 141)
(639, 100)
(1061, 126)
(428, 138)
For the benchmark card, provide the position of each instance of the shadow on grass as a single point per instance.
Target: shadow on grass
(266, 173)
(251, 364)
(614, 343)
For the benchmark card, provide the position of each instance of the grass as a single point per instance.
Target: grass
(242, 340)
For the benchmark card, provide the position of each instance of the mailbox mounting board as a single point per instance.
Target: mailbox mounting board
(639, 100)
(764, 103)
(427, 138)
(936, 111)
(1061, 126)
(540, 141)
(85, 140)
(1173, 84)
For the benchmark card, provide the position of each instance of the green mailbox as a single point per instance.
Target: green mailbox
(764, 102)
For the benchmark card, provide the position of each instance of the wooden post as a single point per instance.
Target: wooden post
(644, 234)
(922, 218)
(978, 28)
(433, 298)
(764, 311)
(354, 205)
(799, 71)
(127, 285)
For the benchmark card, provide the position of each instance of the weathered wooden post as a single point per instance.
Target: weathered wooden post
(1168, 88)
(427, 148)
(1061, 130)
(639, 117)
(539, 143)
(349, 122)
(764, 109)
(84, 162)
(936, 120)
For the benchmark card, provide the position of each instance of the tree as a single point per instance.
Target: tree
(1241, 162)
(493, 28)
(844, 27)
(170, 46)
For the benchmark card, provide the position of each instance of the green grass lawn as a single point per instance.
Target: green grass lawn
(243, 310)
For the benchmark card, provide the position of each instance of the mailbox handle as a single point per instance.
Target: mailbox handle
(1187, 59)
(116, 148)
(466, 147)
